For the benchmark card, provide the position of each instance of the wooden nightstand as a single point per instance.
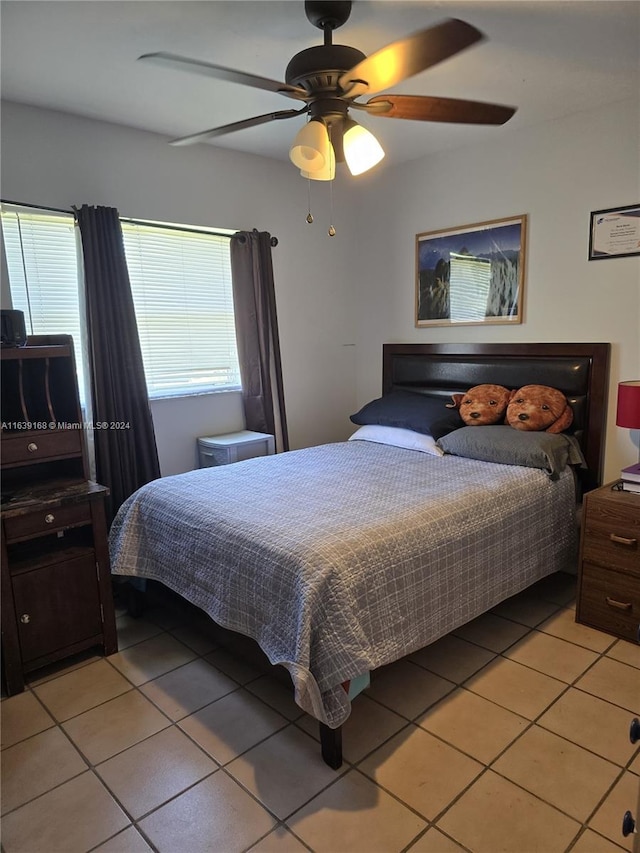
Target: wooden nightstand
(609, 570)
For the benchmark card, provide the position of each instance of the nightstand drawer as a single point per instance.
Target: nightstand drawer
(35, 447)
(613, 542)
(46, 520)
(609, 601)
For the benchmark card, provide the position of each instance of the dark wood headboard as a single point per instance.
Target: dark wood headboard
(580, 371)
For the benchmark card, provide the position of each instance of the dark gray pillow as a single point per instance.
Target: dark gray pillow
(406, 410)
(508, 446)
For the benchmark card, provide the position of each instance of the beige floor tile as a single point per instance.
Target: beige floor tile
(128, 841)
(515, 687)
(367, 727)
(232, 725)
(472, 724)
(491, 632)
(626, 653)
(151, 658)
(591, 842)
(559, 772)
(233, 666)
(284, 771)
(277, 694)
(406, 688)
(614, 681)
(563, 624)
(72, 818)
(36, 765)
(434, 841)
(188, 688)
(354, 815)
(214, 815)
(496, 816)
(81, 689)
(452, 658)
(608, 818)
(132, 631)
(22, 716)
(592, 723)
(155, 770)
(551, 655)
(420, 770)
(279, 840)
(635, 764)
(526, 609)
(114, 726)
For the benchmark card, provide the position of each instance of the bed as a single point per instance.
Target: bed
(341, 558)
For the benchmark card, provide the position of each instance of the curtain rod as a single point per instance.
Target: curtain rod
(36, 206)
(132, 221)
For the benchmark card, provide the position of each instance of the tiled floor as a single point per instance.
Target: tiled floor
(511, 734)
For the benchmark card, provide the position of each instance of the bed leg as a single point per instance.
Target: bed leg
(331, 746)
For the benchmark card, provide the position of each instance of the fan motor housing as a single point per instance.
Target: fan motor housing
(318, 69)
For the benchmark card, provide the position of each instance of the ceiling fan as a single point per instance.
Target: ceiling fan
(328, 79)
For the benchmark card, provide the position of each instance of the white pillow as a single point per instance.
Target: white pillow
(398, 437)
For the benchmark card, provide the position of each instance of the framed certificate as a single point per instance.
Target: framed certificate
(615, 233)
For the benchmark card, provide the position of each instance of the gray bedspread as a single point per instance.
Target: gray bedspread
(340, 558)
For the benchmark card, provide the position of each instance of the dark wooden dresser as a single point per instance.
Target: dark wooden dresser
(56, 584)
(609, 571)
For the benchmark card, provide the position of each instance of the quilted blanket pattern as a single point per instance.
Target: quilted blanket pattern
(341, 558)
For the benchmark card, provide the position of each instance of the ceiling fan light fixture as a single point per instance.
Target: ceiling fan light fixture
(310, 151)
(361, 149)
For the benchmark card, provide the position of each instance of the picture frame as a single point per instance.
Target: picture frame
(614, 233)
(473, 274)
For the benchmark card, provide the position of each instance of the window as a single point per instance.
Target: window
(181, 287)
(42, 263)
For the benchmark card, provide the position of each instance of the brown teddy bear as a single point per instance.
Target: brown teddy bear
(482, 405)
(539, 407)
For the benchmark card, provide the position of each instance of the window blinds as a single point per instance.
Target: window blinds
(181, 286)
(42, 264)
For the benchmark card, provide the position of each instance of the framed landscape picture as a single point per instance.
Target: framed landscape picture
(471, 274)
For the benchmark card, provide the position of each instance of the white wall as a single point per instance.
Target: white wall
(340, 298)
(58, 160)
(557, 173)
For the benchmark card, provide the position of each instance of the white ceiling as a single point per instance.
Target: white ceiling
(547, 57)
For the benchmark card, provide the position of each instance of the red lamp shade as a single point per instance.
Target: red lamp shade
(628, 414)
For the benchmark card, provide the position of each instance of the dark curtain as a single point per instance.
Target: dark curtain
(254, 301)
(126, 458)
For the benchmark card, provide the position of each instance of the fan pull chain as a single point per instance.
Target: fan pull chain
(332, 231)
(309, 214)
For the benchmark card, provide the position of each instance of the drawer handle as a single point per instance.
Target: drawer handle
(25, 618)
(619, 605)
(621, 540)
(32, 447)
(49, 518)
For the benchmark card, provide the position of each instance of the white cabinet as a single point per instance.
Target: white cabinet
(233, 447)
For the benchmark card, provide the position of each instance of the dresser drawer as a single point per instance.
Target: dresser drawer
(612, 543)
(46, 520)
(25, 448)
(610, 601)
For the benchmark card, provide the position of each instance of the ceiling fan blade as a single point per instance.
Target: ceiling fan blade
(236, 125)
(426, 108)
(183, 63)
(402, 59)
